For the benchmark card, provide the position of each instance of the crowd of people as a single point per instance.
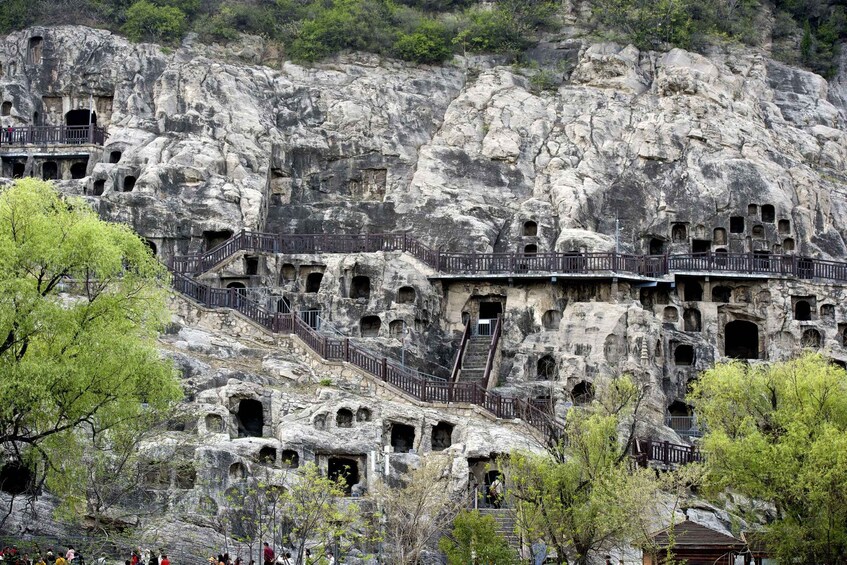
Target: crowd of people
(11, 555)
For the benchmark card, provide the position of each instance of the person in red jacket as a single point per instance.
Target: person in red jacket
(268, 555)
(165, 560)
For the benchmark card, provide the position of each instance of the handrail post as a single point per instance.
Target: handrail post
(384, 369)
(347, 349)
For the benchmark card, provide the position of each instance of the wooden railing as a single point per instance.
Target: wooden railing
(645, 449)
(492, 351)
(463, 343)
(52, 135)
(650, 266)
(343, 349)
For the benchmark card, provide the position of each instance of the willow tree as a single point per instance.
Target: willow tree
(778, 434)
(81, 301)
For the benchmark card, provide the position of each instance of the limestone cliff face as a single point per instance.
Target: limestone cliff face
(727, 152)
(461, 154)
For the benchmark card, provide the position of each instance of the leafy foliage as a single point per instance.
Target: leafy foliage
(429, 43)
(585, 497)
(81, 301)
(474, 533)
(147, 21)
(779, 434)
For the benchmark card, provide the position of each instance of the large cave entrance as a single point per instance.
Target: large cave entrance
(741, 340)
(402, 438)
(80, 118)
(250, 418)
(343, 470)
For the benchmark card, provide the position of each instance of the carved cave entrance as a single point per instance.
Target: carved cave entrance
(741, 340)
(344, 470)
(442, 436)
(250, 418)
(402, 438)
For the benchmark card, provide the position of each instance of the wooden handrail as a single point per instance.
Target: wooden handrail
(649, 266)
(492, 351)
(52, 135)
(457, 364)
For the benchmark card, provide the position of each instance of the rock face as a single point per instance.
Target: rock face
(650, 152)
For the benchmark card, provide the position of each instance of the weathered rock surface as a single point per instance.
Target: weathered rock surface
(726, 152)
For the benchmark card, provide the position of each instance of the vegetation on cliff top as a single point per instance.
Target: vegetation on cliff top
(804, 32)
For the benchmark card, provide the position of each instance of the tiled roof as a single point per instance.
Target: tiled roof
(689, 534)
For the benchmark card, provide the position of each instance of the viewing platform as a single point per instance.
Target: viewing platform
(19, 138)
(573, 265)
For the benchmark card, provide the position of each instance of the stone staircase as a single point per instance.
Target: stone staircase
(474, 359)
(505, 524)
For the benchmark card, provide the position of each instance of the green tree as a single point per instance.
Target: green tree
(316, 508)
(476, 534)
(778, 434)
(583, 496)
(81, 301)
(146, 21)
(428, 43)
(364, 25)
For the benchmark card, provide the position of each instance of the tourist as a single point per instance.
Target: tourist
(495, 492)
(60, 560)
(70, 554)
(268, 554)
(165, 560)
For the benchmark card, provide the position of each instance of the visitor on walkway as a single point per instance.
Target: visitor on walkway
(268, 554)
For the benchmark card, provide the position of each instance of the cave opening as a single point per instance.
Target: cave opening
(80, 118)
(343, 470)
(582, 393)
(768, 213)
(16, 479)
(214, 238)
(344, 418)
(546, 369)
(402, 437)
(129, 183)
(360, 287)
(802, 311)
(250, 418)
(369, 326)
(50, 170)
(683, 355)
(530, 228)
(692, 291)
(721, 294)
(313, 282)
(551, 319)
(736, 224)
(79, 170)
(290, 459)
(741, 340)
(406, 295)
(442, 436)
(691, 320)
(811, 338)
(267, 455)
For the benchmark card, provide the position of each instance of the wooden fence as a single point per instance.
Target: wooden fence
(52, 135)
(649, 266)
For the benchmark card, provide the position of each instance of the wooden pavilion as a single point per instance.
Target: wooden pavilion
(693, 544)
